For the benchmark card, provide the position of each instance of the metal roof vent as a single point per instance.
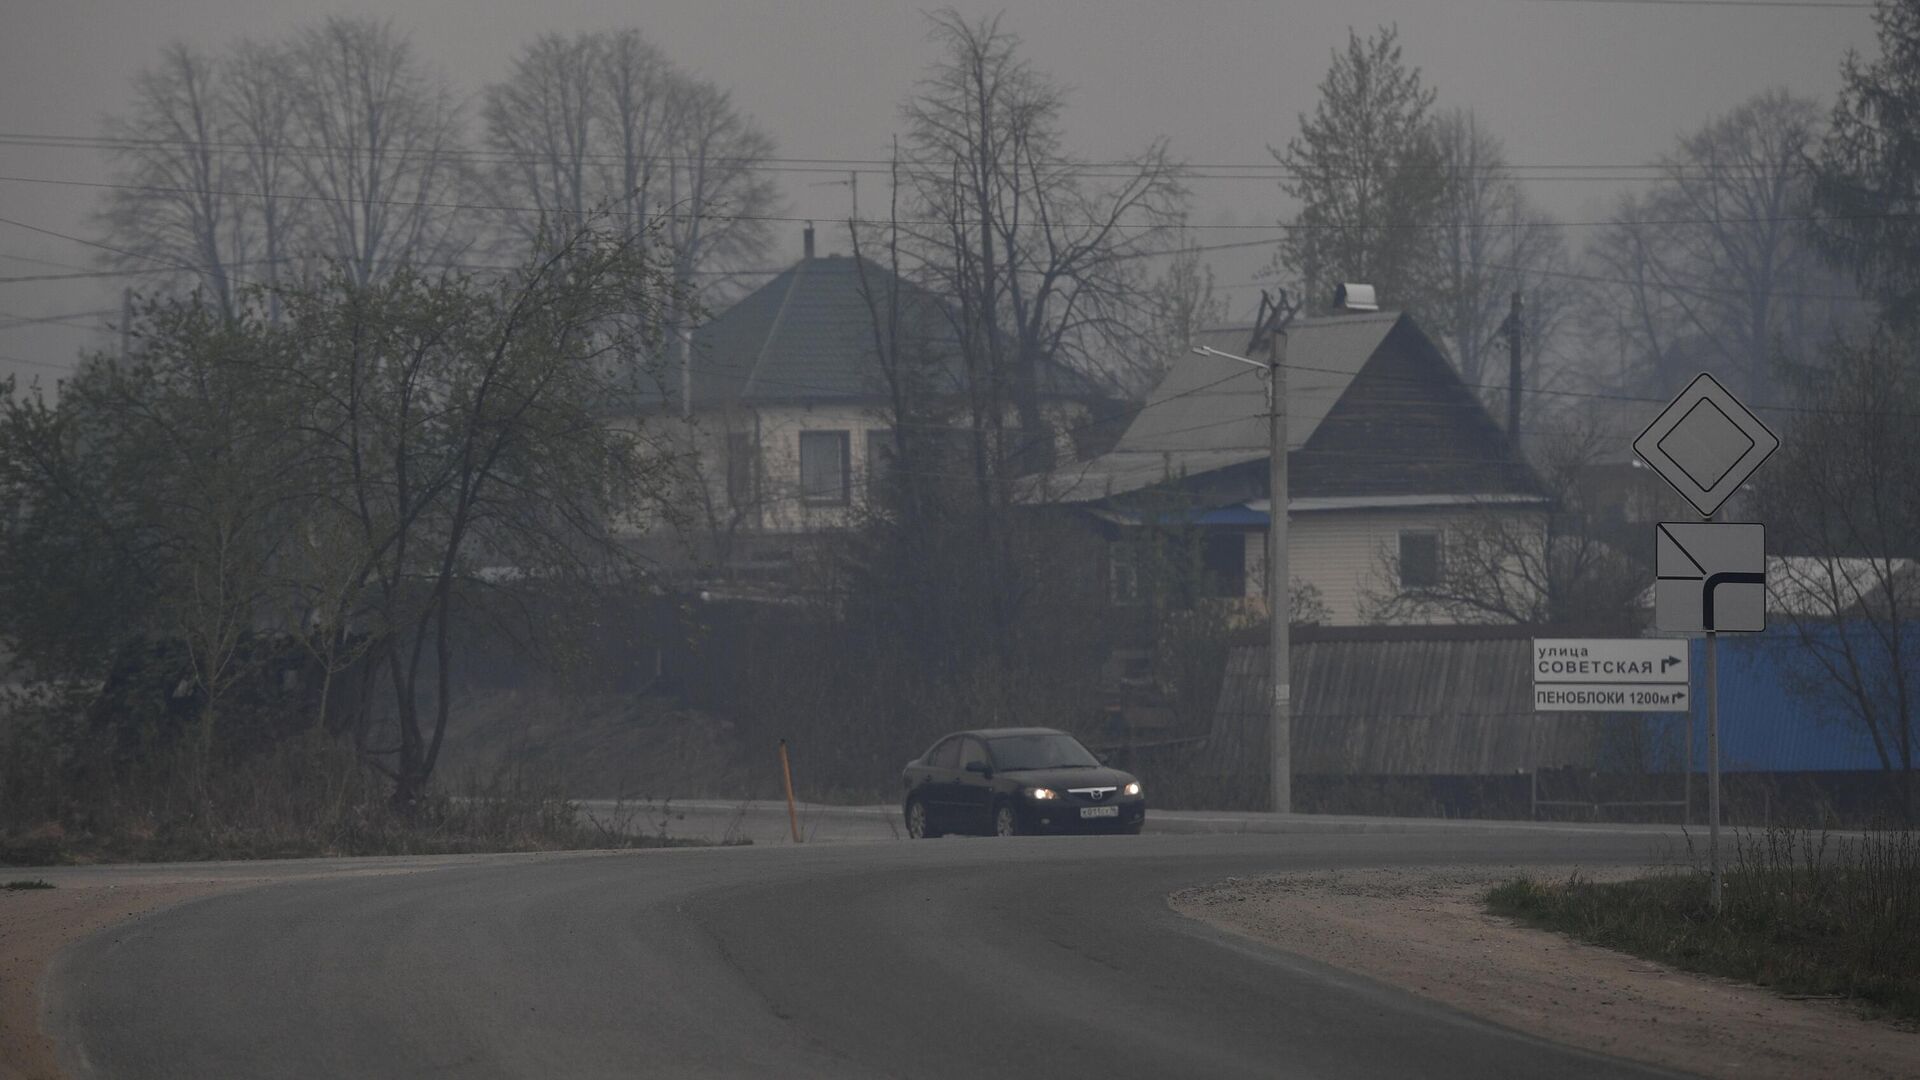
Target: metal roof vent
(1355, 297)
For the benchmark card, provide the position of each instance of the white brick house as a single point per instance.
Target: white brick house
(787, 408)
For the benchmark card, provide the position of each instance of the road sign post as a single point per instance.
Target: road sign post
(1709, 577)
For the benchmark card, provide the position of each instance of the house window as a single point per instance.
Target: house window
(740, 486)
(824, 480)
(879, 456)
(1419, 559)
(1123, 572)
(1224, 560)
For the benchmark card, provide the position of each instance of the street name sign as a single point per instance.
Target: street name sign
(1706, 444)
(1609, 675)
(1710, 576)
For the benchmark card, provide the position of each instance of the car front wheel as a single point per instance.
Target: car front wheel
(917, 821)
(1005, 821)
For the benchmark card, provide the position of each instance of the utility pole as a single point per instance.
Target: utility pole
(1513, 369)
(1279, 606)
(126, 323)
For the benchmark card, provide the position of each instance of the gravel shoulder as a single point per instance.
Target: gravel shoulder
(1425, 930)
(36, 924)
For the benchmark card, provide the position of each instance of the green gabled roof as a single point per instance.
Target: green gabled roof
(807, 336)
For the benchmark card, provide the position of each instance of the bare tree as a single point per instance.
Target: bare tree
(1531, 565)
(1175, 307)
(1845, 512)
(175, 213)
(336, 143)
(541, 123)
(717, 191)
(260, 124)
(1714, 265)
(1490, 243)
(1033, 257)
(380, 141)
(603, 120)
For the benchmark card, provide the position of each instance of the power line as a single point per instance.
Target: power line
(875, 166)
(37, 363)
(1812, 5)
(875, 223)
(66, 320)
(93, 244)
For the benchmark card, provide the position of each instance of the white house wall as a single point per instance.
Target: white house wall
(774, 430)
(1345, 555)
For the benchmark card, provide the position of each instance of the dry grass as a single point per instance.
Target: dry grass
(1805, 913)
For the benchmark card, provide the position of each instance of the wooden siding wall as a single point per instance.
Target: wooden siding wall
(1339, 553)
(1409, 708)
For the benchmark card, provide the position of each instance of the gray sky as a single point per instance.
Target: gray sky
(1562, 83)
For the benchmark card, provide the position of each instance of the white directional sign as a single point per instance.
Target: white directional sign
(1710, 576)
(1609, 675)
(1706, 444)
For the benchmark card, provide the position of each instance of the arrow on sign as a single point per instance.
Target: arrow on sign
(1667, 662)
(1714, 581)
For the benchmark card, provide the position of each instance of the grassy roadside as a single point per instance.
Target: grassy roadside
(1805, 914)
(305, 799)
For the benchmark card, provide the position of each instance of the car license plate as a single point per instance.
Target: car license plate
(1099, 811)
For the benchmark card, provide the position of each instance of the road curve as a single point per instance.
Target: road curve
(950, 958)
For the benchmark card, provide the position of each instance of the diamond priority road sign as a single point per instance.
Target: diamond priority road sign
(1706, 444)
(1609, 675)
(1709, 576)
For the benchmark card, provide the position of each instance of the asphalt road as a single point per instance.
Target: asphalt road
(721, 821)
(951, 958)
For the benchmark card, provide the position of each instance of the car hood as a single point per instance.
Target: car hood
(1070, 778)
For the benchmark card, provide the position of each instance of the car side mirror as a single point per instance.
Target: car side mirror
(980, 767)
(1103, 758)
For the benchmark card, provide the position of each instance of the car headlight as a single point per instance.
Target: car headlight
(1133, 788)
(1042, 793)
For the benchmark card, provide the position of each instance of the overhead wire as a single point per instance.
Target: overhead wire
(1261, 170)
(1152, 226)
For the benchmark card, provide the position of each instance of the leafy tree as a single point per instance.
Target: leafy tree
(152, 502)
(1369, 177)
(393, 468)
(1868, 176)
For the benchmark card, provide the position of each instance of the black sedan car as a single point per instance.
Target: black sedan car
(1009, 781)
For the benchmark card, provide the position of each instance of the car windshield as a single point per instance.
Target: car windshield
(1012, 753)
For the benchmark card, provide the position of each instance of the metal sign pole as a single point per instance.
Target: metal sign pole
(1713, 771)
(1686, 776)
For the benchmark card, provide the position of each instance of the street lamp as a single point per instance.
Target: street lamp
(1279, 727)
